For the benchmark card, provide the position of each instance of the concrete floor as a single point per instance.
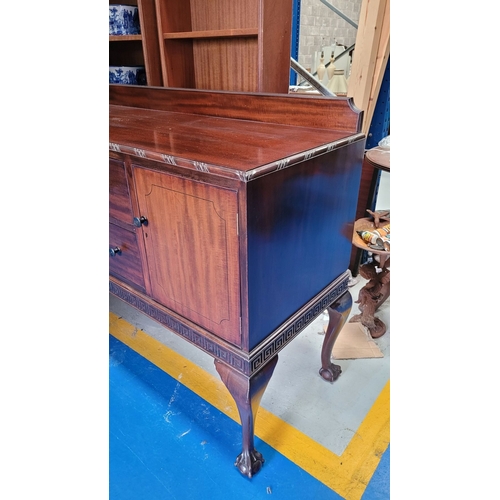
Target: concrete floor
(330, 415)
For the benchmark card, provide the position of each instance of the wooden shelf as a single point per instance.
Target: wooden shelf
(213, 33)
(233, 45)
(124, 38)
(139, 50)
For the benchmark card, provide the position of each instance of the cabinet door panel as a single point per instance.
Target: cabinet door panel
(191, 242)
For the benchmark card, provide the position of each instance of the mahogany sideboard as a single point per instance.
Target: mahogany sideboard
(231, 216)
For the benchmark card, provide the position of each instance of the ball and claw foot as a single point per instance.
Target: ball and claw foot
(249, 462)
(331, 373)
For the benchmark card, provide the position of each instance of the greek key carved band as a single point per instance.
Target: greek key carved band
(247, 364)
(237, 362)
(291, 331)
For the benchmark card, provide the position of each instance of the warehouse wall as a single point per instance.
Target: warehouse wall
(320, 27)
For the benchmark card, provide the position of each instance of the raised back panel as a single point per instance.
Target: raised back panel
(314, 111)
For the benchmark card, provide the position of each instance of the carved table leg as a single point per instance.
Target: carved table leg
(338, 313)
(247, 393)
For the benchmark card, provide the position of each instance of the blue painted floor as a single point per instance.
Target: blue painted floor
(168, 443)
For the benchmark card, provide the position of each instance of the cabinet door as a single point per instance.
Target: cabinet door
(191, 241)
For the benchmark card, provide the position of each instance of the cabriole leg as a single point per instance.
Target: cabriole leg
(247, 393)
(338, 313)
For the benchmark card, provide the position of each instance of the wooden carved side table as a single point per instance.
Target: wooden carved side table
(377, 290)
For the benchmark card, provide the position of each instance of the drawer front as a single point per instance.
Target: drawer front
(125, 259)
(119, 197)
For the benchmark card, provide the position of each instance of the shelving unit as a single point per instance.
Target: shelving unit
(236, 45)
(139, 50)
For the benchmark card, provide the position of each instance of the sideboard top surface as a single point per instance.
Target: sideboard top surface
(228, 133)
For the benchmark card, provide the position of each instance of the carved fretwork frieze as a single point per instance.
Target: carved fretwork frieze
(289, 332)
(248, 364)
(217, 351)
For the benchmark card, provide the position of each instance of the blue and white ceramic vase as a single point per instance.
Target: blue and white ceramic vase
(124, 20)
(127, 75)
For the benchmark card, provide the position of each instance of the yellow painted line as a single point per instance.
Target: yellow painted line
(348, 474)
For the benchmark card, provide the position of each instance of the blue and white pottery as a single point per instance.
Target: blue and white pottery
(127, 75)
(124, 20)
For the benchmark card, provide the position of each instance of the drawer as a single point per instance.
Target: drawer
(119, 197)
(124, 256)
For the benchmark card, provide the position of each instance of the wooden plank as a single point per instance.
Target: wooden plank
(336, 114)
(380, 66)
(213, 33)
(124, 38)
(150, 42)
(366, 54)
